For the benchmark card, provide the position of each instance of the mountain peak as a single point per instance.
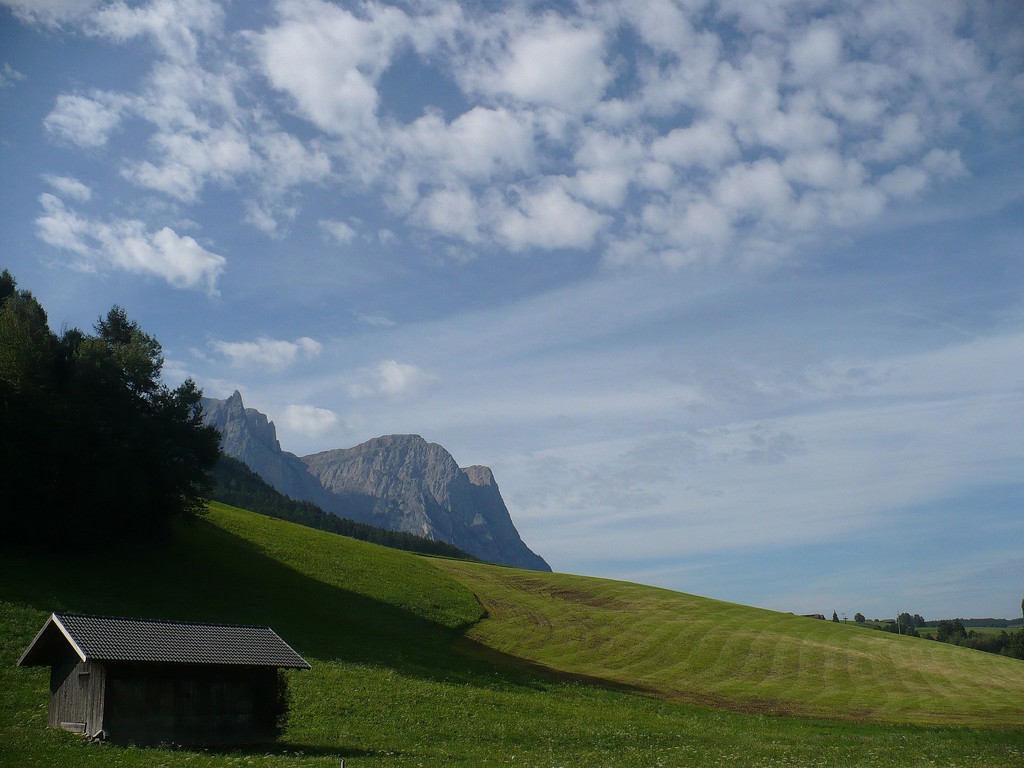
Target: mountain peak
(479, 475)
(398, 482)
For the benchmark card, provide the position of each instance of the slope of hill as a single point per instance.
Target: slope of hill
(392, 686)
(705, 651)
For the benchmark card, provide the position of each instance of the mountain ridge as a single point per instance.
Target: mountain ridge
(397, 482)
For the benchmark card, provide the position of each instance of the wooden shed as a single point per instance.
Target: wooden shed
(150, 682)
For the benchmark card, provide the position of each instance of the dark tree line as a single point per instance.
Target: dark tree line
(956, 632)
(234, 483)
(93, 446)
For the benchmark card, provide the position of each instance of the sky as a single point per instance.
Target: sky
(729, 295)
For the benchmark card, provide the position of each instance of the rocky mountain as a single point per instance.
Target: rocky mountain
(396, 482)
(250, 437)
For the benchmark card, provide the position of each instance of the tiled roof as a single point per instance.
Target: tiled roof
(107, 638)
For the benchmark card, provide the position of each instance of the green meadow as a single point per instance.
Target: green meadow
(706, 651)
(428, 662)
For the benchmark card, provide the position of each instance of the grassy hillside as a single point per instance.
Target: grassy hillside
(390, 685)
(706, 651)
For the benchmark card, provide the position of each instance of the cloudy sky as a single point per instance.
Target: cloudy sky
(729, 295)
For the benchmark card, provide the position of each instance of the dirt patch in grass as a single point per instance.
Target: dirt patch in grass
(582, 597)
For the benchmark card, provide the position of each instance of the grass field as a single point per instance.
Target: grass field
(411, 669)
(706, 651)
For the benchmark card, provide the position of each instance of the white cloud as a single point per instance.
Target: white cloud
(553, 63)
(127, 244)
(338, 231)
(662, 24)
(604, 187)
(86, 120)
(757, 128)
(275, 354)
(50, 13)
(9, 76)
(757, 189)
(800, 126)
(261, 218)
(391, 379)
(376, 320)
(901, 136)
(848, 208)
(202, 135)
(479, 145)
(549, 218)
(903, 182)
(452, 212)
(189, 161)
(745, 97)
(607, 164)
(69, 187)
(267, 216)
(824, 169)
(328, 60)
(944, 164)
(309, 421)
(817, 53)
(706, 144)
(173, 24)
(288, 162)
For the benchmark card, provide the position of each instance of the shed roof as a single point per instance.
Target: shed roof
(111, 639)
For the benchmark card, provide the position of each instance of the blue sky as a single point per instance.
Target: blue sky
(729, 295)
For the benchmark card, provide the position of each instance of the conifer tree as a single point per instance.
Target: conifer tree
(90, 437)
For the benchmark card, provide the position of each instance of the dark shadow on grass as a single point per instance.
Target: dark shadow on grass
(205, 573)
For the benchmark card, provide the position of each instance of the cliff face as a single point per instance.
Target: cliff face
(397, 482)
(493, 523)
(250, 437)
(405, 483)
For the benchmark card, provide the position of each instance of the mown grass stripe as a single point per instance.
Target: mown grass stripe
(682, 646)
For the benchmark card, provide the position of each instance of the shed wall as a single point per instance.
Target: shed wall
(76, 696)
(151, 704)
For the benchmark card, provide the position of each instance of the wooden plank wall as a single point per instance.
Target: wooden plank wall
(76, 696)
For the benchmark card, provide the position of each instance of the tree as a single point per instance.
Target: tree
(951, 631)
(859, 618)
(92, 439)
(1015, 644)
(835, 617)
(26, 345)
(910, 622)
